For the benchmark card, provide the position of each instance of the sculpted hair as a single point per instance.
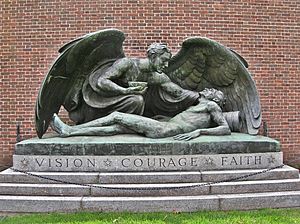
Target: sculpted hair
(216, 96)
(157, 49)
(220, 96)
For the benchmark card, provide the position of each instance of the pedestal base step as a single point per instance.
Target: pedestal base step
(10, 176)
(150, 204)
(134, 190)
(149, 191)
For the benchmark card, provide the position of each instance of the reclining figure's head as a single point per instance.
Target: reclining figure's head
(214, 95)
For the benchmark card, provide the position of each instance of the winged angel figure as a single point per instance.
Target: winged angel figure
(93, 79)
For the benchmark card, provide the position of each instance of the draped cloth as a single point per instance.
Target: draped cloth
(96, 103)
(159, 102)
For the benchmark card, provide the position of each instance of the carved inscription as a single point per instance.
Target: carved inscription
(144, 163)
(65, 162)
(241, 160)
(159, 162)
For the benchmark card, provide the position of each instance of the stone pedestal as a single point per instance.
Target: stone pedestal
(132, 173)
(147, 163)
(136, 153)
(138, 145)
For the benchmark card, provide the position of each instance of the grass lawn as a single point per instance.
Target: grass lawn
(266, 216)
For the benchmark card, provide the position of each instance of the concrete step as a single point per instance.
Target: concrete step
(134, 190)
(150, 204)
(10, 176)
(285, 172)
(44, 189)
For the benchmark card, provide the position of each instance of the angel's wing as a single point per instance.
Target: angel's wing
(78, 58)
(203, 63)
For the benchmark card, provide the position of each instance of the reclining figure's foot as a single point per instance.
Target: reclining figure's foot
(60, 127)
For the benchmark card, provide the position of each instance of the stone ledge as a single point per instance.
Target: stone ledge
(138, 145)
(112, 163)
(10, 176)
(143, 190)
(248, 201)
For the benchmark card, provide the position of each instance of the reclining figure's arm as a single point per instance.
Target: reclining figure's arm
(217, 116)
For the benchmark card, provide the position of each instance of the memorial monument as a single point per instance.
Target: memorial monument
(92, 78)
(180, 127)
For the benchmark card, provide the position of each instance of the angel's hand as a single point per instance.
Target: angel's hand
(138, 90)
(187, 136)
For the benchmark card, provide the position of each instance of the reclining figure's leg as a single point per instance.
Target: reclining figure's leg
(118, 123)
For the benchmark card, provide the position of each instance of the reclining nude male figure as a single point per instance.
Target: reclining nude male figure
(205, 118)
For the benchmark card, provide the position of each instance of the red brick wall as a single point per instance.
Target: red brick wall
(265, 33)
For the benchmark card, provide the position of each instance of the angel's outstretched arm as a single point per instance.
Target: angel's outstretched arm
(167, 85)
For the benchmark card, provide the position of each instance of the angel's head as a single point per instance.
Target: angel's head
(214, 95)
(159, 56)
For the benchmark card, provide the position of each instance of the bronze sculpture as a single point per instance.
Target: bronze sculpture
(92, 78)
(205, 118)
